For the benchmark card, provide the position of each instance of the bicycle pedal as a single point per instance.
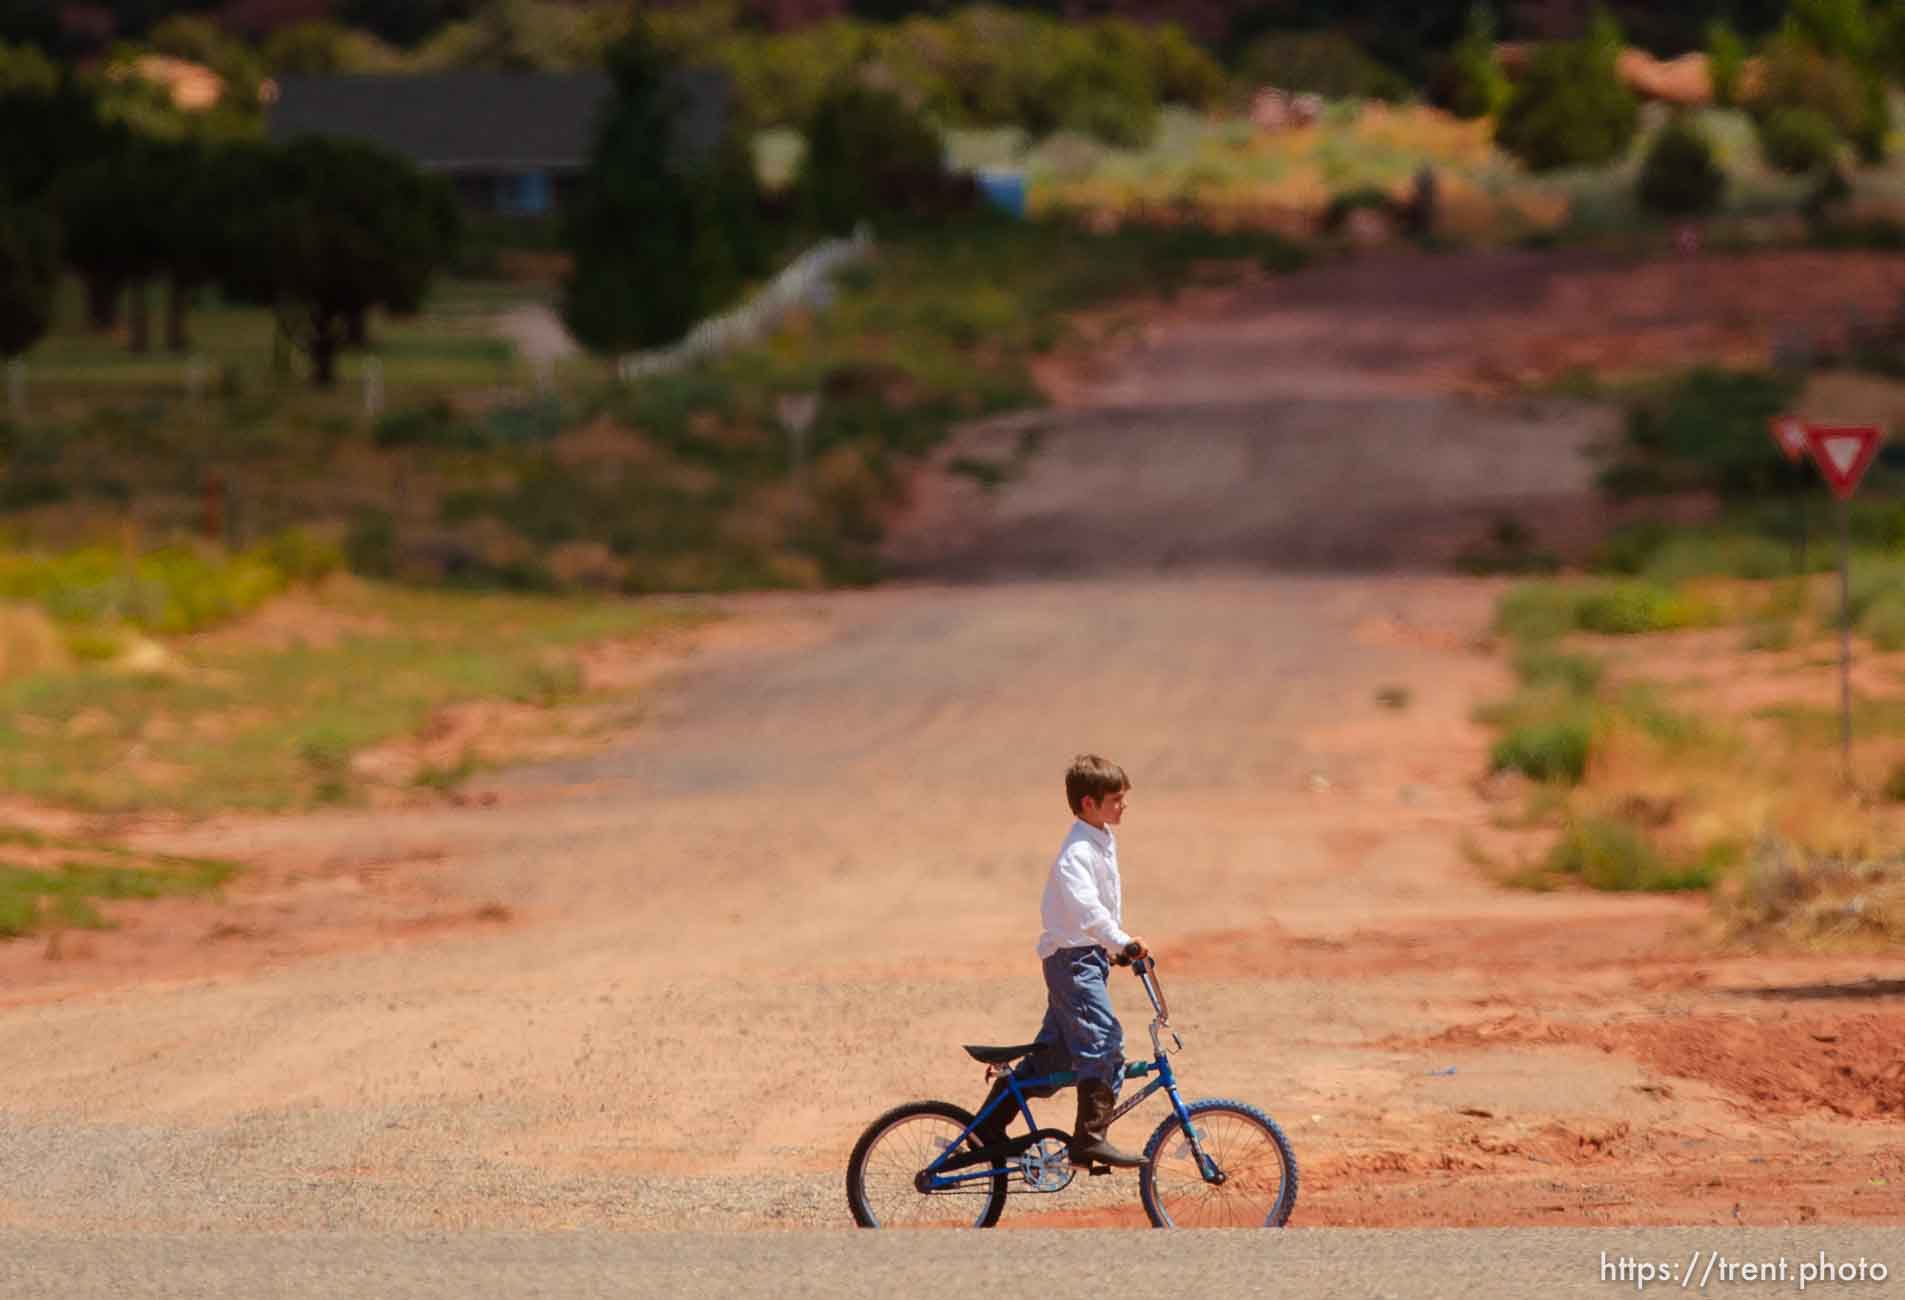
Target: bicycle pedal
(1097, 1170)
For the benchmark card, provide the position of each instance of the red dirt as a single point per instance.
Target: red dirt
(813, 871)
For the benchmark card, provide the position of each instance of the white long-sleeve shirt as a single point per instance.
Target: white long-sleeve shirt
(1084, 898)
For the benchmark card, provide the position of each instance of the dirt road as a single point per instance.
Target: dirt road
(782, 904)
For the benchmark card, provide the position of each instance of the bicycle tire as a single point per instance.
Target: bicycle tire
(887, 1128)
(1249, 1118)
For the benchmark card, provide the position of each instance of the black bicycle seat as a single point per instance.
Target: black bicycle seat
(1000, 1055)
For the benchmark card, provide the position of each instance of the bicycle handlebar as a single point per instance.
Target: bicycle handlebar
(1145, 968)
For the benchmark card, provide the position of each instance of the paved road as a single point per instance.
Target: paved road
(1366, 1265)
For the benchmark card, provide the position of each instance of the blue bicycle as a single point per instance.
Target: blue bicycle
(1210, 1164)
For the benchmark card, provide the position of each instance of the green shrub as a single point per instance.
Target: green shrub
(1546, 751)
(301, 555)
(1538, 611)
(1323, 63)
(1796, 74)
(1726, 58)
(169, 591)
(869, 157)
(1098, 82)
(1679, 177)
(1796, 140)
(1752, 556)
(1578, 674)
(1183, 71)
(1631, 608)
(1571, 108)
(1607, 853)
(1707, 431)
(1471, 82)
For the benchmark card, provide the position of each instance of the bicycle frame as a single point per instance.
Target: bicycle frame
(955, 1165)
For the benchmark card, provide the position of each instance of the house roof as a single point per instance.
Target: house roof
(451, 121)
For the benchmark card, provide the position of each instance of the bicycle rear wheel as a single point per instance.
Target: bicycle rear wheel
(1258, 1169)
(881, 1190)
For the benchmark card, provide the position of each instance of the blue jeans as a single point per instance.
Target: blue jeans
(1080, 1030)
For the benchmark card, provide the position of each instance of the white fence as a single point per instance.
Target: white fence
(806, 282)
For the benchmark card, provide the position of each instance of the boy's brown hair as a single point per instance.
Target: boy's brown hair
(1092, 777)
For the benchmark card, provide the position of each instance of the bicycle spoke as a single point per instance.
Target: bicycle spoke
(895, 1160)
(1244, 1151)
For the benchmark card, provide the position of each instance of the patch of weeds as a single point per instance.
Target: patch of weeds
(327, 756)
(93, 643)
(64, 896)
(1641, 704)
(1633, 608)
(1538, 611)
(446, 777)
(1607, 853)
(546, 683)
(1393, 697)
(1554, 750)
(1578, 674)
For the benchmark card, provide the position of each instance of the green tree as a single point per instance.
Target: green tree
(402, 22)
(1836, 28)
(112, 216)
(1679, 177)
(336, 228)
(1472, 83)
(1571, 107)
(29, 277)
(52, 125)
(1321, 63)
(869, 156)
(202, 41)
(1799, 75)
(1726, 58)
(1797, 140)
(665, 228)
(320, 47)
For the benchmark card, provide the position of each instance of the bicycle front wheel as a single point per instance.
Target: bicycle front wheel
(882, 1190)
(1255, 1186)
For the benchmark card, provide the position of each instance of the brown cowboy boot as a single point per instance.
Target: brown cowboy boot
(1090, 1146)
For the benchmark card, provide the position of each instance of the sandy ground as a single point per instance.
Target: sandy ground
(666, 985)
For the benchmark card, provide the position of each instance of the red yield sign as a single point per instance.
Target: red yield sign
(1789, 431)
(1843, 453)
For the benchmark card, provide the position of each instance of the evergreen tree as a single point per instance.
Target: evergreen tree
(1571, 107)
(665, 228)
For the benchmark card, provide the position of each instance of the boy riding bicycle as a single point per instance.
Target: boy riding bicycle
(1082, 914)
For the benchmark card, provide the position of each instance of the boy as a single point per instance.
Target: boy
(1082, 912)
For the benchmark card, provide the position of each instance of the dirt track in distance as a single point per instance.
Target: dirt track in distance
(780, 905)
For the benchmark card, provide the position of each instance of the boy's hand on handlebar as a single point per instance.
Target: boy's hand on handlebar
(1134, 950)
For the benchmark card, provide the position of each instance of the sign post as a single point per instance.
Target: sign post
(796, 412)
(1789, 433)
(1843, 454)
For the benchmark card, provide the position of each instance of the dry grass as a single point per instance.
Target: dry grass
(1703, 752)
(277, 723)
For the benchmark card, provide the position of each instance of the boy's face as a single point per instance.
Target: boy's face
(1108, 811)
